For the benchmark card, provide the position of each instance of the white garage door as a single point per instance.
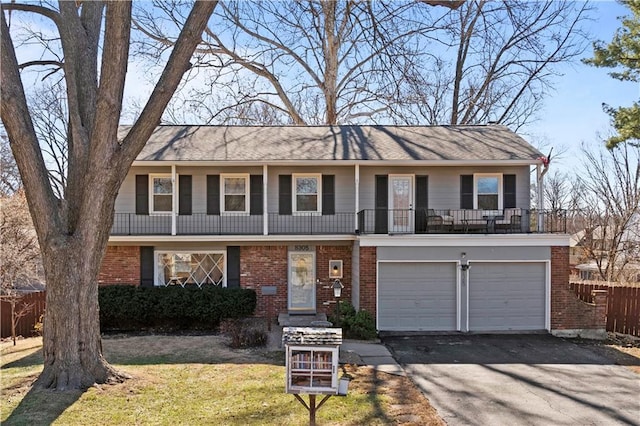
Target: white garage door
(507, 296)
(417, 296)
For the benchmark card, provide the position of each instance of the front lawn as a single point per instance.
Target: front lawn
(198, 380)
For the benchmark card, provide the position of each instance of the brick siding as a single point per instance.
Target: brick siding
(568, 312)
(265, 266)
(268, 266)
(121, 265)
(323, 295)
(368, 259)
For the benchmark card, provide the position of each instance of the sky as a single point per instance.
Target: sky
(573, 115)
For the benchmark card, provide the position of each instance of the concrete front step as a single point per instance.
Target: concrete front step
(306, 320)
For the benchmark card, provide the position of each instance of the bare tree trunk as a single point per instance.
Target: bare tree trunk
(72, 343)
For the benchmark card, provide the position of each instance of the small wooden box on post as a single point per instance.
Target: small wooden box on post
(312, 364)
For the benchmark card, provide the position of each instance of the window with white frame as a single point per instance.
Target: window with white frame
(307, 190)
(190, 268)
(161, 193)
(235, 193)
(487, 191)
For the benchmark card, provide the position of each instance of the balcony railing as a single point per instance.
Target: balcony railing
(371, 221)
(431, 221)
(234, 224)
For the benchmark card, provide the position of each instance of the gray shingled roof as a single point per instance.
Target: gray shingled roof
(392, 143)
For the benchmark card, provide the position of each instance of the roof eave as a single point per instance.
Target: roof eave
(235, 163)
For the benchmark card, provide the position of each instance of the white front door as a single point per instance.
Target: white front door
(302, 281)
(401, 203)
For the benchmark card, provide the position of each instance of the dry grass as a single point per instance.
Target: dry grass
(198, 380)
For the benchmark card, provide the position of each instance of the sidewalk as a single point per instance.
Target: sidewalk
(374, 354)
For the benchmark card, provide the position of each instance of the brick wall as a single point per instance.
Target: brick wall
(568, 312)
(368, 259)
(323, 255)
(121, 265)
(265, 266)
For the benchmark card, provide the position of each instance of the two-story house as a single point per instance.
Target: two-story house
(428, 228)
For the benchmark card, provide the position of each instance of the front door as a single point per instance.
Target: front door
(400, 203)
(302, 281)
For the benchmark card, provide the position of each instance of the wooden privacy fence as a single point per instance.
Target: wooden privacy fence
(623, 305)
(25, 326)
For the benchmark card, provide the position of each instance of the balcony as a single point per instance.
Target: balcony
(233, 224)
(431, 221)
(370, 221)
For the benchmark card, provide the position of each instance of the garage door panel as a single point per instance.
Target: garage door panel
(417, 296)
(507, 296)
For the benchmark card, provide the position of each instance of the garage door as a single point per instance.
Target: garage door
(417, 296)
(506, 296)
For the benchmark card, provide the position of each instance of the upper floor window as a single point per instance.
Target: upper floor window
(306, 193)
(235, 189)
(161, 193)
(488, 191)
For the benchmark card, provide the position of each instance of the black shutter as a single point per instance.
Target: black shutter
(184, 194)
(509, 191)
(233, 266)
(328, 195)
(422, 203)
(213, 194)
(142, 194)
(146, 266)
(255, 189)
(284, 197)
(382, 204)
(466, 192)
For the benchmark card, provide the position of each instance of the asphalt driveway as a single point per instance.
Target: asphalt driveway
(518, 380)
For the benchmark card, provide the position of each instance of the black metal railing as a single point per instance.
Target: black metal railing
(370, 221)
(311, 223)
(233, 224)
(432, 221)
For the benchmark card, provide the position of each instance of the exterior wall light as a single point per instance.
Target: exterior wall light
(464, 262)
(335, 269)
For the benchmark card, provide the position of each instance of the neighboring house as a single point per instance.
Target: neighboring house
(587, 248)
(589, 271)
(429, 228)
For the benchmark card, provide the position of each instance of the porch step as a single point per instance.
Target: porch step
(302, 320)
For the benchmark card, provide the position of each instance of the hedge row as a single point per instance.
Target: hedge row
(130, 308)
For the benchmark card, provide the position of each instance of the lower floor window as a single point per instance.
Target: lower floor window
(193, 268)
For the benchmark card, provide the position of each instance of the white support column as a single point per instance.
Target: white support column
(265, 212)
(357, 179)
(174, 202)
(540, 198)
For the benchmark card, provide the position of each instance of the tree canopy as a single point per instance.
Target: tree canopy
(349, 62)
(622, 54)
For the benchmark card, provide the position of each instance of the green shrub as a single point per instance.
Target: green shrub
(170, 308)
(355, 325)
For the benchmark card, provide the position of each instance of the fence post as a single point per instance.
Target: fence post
(599, 298)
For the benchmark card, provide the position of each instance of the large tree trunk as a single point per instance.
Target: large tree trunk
(72, 343)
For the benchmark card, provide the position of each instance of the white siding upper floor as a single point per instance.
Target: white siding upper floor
(443, 190)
